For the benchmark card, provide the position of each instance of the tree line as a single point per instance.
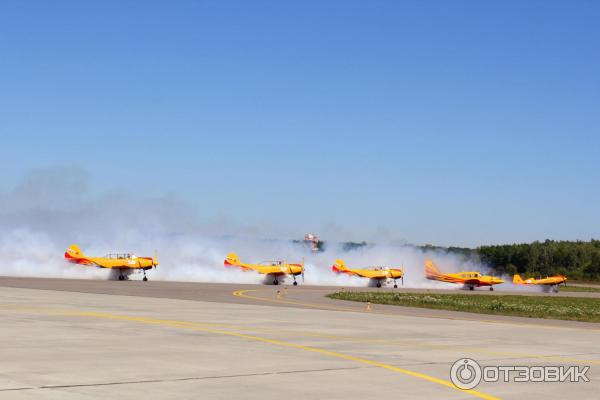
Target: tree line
(577, 260)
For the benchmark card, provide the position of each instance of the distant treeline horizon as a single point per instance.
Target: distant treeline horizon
(578, 260)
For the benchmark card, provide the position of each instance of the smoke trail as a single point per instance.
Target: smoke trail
(194, 257)
(53, 208)
(30, 254)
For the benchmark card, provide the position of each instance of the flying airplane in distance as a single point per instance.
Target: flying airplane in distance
(550, 283)
(375, 274)
(275, 269)
(469, 279)
(125, 263)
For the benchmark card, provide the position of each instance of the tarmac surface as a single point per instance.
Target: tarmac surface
(90, 339)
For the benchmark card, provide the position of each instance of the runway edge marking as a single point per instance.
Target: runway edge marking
(242, 294)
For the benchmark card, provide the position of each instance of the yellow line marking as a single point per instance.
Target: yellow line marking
(199, 327)
(242, 294)
(403, 342)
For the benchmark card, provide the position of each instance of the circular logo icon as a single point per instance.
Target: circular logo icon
(465, 373)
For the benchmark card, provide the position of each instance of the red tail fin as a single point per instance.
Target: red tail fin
(339, 267)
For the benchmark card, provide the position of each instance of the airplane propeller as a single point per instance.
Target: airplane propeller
(155, 259)
(402, 277)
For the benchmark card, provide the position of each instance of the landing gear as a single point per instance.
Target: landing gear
(121, 277)
(491, 288)
(275, 282)
(145, 279)
(395, 284)
(471, 288)
(295, 283)
(378, 284)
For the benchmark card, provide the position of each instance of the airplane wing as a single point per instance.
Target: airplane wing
(272, 270)
(475, 282)
(370, 274)
(549, 281)
(101, 263)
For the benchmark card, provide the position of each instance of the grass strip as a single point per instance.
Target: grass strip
(550, 307)
(579, 289)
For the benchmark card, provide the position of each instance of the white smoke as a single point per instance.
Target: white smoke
(53, 208)
(35, 254)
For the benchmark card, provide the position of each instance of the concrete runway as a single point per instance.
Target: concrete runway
(90, 339)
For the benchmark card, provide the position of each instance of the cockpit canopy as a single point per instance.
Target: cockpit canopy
(380, 268)
(274, 263)
(120, 256)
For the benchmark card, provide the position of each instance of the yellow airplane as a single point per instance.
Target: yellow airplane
(124, 262)
(376, 274)
(469, 279)
(275, 269)
(550, 283)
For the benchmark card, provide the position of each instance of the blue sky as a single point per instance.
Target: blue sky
(462, 122)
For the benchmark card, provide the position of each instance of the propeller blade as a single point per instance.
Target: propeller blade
(402, 277)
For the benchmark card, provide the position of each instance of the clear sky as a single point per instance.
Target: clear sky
(445, 122)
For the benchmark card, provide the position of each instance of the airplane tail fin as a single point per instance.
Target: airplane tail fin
(73, 253)
(517, 279)
(339, 266)
(431, 270)
(231, 259)
(76, 256)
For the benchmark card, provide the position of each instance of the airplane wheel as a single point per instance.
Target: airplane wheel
(145, 279)
(471, 288)
(378, 284)
(121, 278)
(295, 283)
(491, 289)
(395, 286)
(275, 282)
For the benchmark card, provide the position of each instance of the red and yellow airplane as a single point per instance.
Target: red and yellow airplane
(376, 274)
(550, 283)
(469, 279)
(125, 263)
(275, 269)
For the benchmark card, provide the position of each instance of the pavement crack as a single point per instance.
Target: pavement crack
(194, 378)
